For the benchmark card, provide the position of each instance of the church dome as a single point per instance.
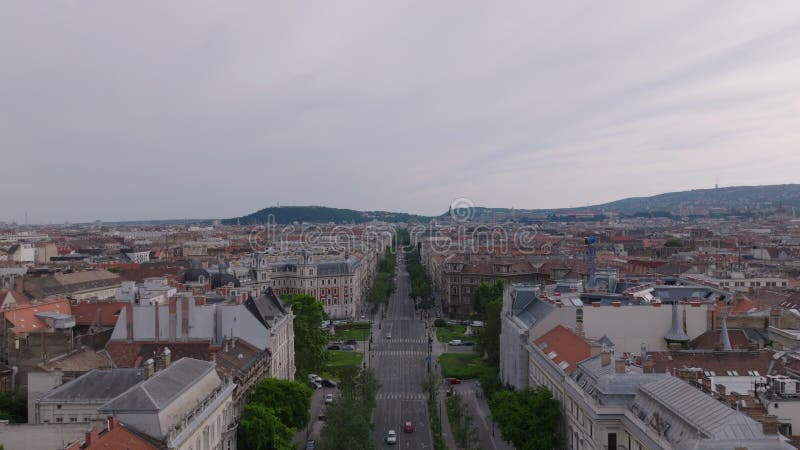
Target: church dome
(195, 274)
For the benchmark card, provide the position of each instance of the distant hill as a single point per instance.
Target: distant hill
(726, 199)
(291, 214)
(742, 198)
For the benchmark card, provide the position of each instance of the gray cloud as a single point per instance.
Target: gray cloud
(213, 109)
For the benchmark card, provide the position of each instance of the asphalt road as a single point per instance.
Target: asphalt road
(400, 363)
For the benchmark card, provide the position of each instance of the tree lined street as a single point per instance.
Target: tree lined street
(398, 354)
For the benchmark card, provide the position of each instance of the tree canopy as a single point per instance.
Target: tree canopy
(309, 338)
(490, 303)
(528, 418)
(261, 429)
(348, 424)
(289, 400)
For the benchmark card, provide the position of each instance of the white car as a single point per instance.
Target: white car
(328, 398)
(391, 438)
(455, 342)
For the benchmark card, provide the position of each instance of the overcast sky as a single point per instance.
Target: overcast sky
(154, 109)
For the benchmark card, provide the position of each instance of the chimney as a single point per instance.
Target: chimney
(648, 366)
(769, 424)
(92, 436)
(149, 368)
(167, 355)
(605, 357)
(129, 320)
(112, 422)
(616, 304)
(724, 338)
(595, 349)
(619, 365)
(721, 390)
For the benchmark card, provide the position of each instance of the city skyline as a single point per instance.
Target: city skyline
(145, 111)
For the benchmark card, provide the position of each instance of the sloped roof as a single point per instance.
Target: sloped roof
(564, 346)
(700, 411)
(121, 438)
(161, 389)
(97, 313)
(24, 320)
(266, 307)
(96, 386)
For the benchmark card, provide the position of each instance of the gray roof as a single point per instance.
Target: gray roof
(698, 411)
(161, 389)
(266, 307)
(95, 386)
(333, 268)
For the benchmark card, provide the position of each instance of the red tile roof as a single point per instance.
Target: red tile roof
(23, 318)
(97, 313)
(120, 438)
(568, 347)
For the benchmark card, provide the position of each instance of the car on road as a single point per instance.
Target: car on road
(315, 385)
(328, 398)
(454, 380)
(309, 445)
(391, 437)
(455, 342)
(408, 427)
(328, 383)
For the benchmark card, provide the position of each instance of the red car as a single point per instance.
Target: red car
(454, 380)
(408, 427)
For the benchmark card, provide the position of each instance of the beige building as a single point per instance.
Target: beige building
(78, 400)
(185, 406)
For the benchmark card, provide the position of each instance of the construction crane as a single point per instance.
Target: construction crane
(590, 252)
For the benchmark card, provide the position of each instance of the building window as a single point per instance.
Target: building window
(59, 419)
(73, 419)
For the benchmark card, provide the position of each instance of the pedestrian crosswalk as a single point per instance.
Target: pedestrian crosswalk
(401, 396)
(415, 353)
(408, 341)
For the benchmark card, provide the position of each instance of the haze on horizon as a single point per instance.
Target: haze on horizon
(153, 110)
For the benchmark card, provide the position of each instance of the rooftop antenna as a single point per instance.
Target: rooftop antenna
(716, 184)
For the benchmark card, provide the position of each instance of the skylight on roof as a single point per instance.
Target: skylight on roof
(552, 355)
(563, 365)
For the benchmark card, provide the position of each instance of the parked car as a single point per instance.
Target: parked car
(454, 380)
(408, 427)
(328, 398)
(315, 385)
(321, 416)
(468, 343)
(333, 347)
(465, 323)
(455, 342)
(309, 445)
(391, 437)
(351, 342)
(348, 348)
(477, 323)
(329, 383)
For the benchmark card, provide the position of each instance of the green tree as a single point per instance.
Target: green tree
(13, 407)
(348, 424)
(528, 418)
(673, 243)
(261, 429)
(490, 303)
(289, 400)
(464, 432)
(309, 338)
